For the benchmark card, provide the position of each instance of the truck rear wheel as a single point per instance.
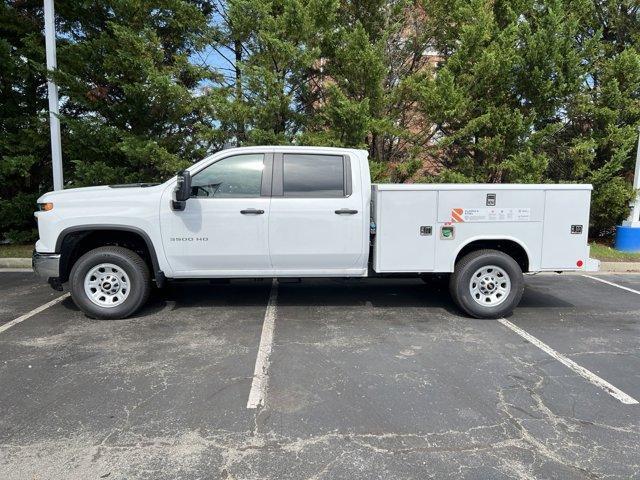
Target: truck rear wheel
(110, 283)
(487, 284)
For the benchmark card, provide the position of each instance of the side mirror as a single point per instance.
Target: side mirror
(182, 191)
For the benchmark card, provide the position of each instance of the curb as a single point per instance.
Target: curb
(15, 263)
(604, 266)
(619, 266)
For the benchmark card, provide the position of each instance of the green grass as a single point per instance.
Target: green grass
(607, 254)
(16, 251)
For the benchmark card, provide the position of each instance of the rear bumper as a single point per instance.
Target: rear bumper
(592, 265)
(46, 265)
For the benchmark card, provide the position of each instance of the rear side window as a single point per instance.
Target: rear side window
(313, 175)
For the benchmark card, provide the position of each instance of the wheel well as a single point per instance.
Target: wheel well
(511, 248)
(75, 244)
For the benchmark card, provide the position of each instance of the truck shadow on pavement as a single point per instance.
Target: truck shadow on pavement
(376, 293)
(536, 299)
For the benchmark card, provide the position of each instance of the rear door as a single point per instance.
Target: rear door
(316, 219)
(565, 229)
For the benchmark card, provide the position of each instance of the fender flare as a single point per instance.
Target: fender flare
(480, 238)
(157, 273)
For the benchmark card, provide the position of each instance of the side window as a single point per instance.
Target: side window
(313, 175)
(239, 176)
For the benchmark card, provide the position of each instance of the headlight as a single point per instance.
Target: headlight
(45, 207)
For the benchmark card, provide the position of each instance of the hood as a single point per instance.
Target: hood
(50, 196)
(100, 191)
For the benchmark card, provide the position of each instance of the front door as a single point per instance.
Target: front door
(317, 218)
(223, 230)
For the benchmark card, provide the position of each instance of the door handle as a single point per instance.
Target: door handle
(252, 211)
(346, 211)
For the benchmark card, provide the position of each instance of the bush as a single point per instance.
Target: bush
(609, 203)
(18, 224)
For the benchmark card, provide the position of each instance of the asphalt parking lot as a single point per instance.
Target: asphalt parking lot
(372, 379)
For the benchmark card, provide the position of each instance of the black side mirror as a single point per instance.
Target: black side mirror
(182, 191)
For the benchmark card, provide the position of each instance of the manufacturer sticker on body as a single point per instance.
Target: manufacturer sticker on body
(461, 215)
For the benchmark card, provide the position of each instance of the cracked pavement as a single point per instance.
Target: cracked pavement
(371, 379)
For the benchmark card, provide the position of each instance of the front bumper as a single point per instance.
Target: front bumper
(46, 265)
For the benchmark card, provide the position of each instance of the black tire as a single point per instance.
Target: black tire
(134, 267)
(460, 282)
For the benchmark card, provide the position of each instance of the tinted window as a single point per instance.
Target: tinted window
(232, 177)
(313, 176)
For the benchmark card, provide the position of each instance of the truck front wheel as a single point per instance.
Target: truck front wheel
(487, 284)
(110, 282)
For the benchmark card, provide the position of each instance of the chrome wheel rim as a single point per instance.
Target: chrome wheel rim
(107, 285)
(490, 286)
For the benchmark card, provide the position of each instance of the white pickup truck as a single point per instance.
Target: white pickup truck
(306, 212)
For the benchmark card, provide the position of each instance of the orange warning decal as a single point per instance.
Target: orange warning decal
(456, 215)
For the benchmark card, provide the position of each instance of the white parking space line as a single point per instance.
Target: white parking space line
(260, 381)
(33, 312)
(583, 372)
(612, 284)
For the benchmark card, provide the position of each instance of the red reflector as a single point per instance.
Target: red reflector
(579, 263)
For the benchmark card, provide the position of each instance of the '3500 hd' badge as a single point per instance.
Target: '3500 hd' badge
(188, 239)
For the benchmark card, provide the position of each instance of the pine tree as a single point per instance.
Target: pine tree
(24, 147)
(536, 90)
(130, 109)
(128, 87)
(273, 48)
(373, 54)
(605, 116)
